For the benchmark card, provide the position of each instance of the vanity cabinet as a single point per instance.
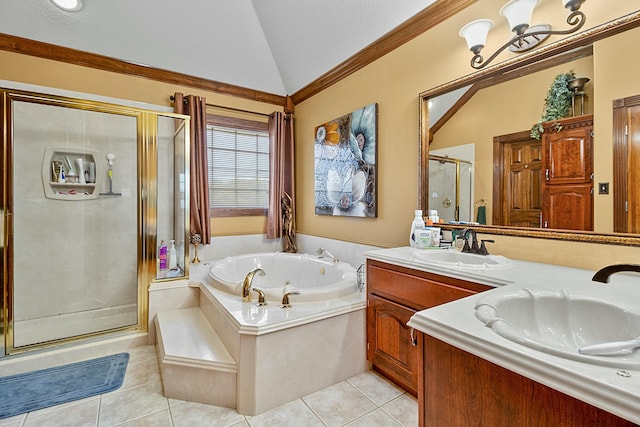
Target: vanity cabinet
(461, 389)
(567, 189)
(394, 294)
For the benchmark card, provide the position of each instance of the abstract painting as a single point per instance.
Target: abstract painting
(345, 154)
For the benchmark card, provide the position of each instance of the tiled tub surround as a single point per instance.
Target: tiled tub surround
(455, 323)
(281, 354)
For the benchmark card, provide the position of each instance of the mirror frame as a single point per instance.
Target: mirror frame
(506, 70)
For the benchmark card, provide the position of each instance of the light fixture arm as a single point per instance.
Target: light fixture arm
(576, 20)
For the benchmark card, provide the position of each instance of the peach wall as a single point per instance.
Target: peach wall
(394, 82)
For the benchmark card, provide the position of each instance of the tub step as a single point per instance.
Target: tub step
(193, 358)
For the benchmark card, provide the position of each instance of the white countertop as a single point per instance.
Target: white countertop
(456, 324)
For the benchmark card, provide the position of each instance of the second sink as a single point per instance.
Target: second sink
(560, 323)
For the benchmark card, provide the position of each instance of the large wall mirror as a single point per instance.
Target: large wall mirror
(477, 120)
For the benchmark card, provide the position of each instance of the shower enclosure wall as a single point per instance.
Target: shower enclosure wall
(88, 189)
(450, 188)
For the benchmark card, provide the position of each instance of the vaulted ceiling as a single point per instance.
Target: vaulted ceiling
(274, 46)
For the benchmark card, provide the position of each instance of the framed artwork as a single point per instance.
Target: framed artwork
(345, 155)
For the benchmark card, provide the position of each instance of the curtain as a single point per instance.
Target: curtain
(281, 179)
(195, 107)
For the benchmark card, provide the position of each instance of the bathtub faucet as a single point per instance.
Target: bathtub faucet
(323, 252)
(247, 285)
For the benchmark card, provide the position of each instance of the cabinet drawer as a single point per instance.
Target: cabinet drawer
(412, 291)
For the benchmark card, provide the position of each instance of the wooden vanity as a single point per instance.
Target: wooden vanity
(456, 380)
(395, 294)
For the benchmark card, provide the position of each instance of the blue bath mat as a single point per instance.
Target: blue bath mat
(48, 387)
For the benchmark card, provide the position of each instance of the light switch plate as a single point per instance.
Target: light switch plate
(603, 188)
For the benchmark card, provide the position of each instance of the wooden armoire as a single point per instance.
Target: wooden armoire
(567, 183)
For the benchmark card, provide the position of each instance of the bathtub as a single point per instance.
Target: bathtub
(278, 350)
(317, 279)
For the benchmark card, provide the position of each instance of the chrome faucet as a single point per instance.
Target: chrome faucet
(603, 274)
(323, 252)
(474, 248)
(247, 285)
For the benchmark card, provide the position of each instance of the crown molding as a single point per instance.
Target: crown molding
(77, 57)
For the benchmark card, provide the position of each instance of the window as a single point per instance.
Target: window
(238, 158)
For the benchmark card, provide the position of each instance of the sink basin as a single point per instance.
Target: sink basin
(560, 323)
(460, 260)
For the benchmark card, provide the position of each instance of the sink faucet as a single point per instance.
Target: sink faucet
(323, 252)
(247, 285)
(474, 248)
(603, 274)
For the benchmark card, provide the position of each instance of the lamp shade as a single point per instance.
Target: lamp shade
(518, 14)
(68, 5)
(475, 33)
(572, 5)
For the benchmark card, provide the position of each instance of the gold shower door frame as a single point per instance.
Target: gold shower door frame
(147, 206)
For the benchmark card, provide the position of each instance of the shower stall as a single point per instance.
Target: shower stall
(88, 189)
(451, 188)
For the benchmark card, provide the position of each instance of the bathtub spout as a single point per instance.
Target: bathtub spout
(325, 253)
(247, 285)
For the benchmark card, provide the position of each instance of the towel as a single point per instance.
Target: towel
(482, 215)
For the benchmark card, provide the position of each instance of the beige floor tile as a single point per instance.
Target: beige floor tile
(143, 372)
(142, 353)
(338, 404)
(293, 414)
(404, 409)
(377, 418)
(375, 387)
(12, 421)
(80, 414)
(197, 414)
(157, 419)
(242, 423)
(128, 404)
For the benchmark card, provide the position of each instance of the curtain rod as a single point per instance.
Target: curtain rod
(226, 108)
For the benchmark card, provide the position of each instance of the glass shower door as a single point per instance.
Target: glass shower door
(75, 222)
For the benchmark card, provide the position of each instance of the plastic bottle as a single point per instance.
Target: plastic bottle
(417, 224)
(162, 255)
(173, 256)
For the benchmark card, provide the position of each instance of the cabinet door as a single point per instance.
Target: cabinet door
(389, 342)
(568, 207)
(567, 155)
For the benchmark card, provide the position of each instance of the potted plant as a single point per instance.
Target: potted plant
(557, 104)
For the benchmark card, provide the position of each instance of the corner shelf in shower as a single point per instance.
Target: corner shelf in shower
(69, 190)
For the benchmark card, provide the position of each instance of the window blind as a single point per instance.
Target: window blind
(238, 168)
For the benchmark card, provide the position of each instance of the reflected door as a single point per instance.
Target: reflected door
(626, 179)
(519, 197)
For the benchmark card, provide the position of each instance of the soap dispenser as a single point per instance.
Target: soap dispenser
(173, 256)
(417, 224)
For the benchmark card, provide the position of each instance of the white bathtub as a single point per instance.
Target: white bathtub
(317, 279)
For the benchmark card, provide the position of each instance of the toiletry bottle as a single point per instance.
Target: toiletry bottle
(61, 177)
(162, 255)
(173, 256)
(417, 224)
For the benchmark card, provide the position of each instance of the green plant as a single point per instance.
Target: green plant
(557, 104)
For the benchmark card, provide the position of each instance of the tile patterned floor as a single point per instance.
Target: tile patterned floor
(364, 400)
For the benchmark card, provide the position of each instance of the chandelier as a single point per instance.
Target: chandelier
(518, 14)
